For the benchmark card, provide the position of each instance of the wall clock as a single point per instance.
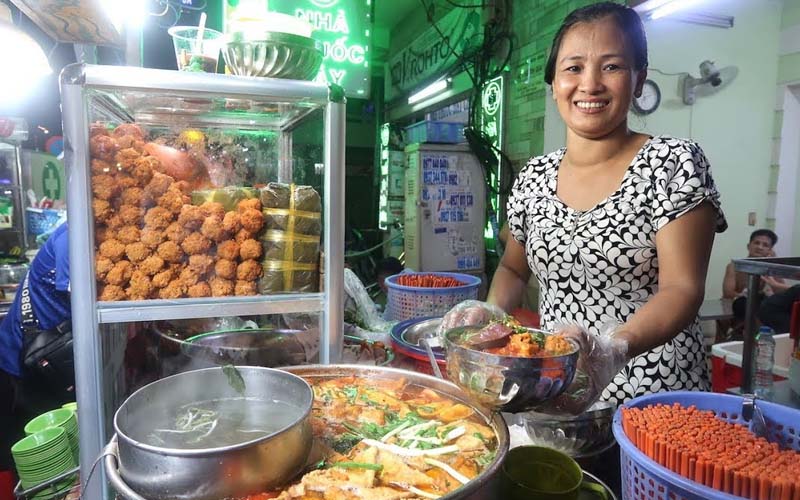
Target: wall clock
(649, 100)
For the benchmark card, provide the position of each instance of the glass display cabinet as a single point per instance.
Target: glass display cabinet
(201, 206)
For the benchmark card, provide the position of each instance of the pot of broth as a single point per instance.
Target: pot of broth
(214, 433)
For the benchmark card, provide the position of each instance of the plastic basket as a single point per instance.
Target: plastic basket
(407, 302)
(41, 220)
(645, 479)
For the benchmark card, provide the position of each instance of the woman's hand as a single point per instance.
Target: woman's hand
(470, 313)
(601, 358)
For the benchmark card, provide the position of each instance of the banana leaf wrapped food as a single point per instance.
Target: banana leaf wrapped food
(289, 263)
(292, 208)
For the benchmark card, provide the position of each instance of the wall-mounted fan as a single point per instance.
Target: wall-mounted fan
(711, 81)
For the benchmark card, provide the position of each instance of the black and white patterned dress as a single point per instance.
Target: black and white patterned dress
(600, 266)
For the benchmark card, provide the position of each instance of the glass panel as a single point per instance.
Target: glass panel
(187, 200)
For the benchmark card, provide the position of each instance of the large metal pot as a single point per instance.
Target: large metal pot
(481, 487)
(159, 473)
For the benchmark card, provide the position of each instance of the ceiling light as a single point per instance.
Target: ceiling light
(25, 58)
(670, 8)
(429, 91)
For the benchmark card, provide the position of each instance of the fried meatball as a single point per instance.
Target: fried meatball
(111, 293)
(170, 252)
(132, 215)
(145, 168)
(189, 276)
(132, 196)
(163, 278)
(114, 222)
(220, 287)
(248, 270)
(129, 141)
(126, 159)
(245, 288)
(228, 250)
(157, 218)
(120, 273)
(141, 287)
(201, 264)
(175, 289)
(158, 185)
(126, 182)
(96, 129)
(225, 268)
(176, 232)
(104, 187)
(152, 265)
(137, 252)
(250, 249)
(191, 217)
(103, 147)
(173, 200)
(184, 186)
(210, 208)
(101, 167)
(128, 129)
(129, 234)
(200, 289)
(102, 265)
(102, 210)
(213, 230)
(232, 223)
(248, 204)
(151, 237)
(195, 244)
(243, 235)
(252, 220)
(112, 249)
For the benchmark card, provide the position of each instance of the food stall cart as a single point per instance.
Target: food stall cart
(97, 101)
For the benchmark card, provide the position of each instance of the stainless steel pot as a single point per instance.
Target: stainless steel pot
(481, 487)
(159, 473)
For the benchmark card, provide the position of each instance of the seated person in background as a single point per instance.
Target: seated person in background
(734, 285)
(776, 311)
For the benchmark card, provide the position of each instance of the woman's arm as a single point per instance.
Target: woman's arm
(729, 290)
(510, 278)
(683, 247)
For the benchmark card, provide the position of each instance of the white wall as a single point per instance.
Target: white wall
(733, 125)
(786, 217)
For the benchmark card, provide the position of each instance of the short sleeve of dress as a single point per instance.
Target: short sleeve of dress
(515, 209)
(682, 181)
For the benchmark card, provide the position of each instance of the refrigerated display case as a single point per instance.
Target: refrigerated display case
(164, 170)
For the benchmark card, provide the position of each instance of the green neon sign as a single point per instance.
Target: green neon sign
(343, 28)
(492, 125)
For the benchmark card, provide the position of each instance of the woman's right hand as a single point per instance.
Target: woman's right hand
(471, 313)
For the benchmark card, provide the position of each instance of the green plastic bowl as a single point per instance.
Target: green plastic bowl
(54, 418)
(39, 441)
(71, 406)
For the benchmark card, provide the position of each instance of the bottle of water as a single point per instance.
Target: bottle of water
(765, 359)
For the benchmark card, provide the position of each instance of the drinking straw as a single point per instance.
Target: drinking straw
(200, 30)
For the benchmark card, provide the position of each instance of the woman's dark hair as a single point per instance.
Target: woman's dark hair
(626, 18)
(764, 232)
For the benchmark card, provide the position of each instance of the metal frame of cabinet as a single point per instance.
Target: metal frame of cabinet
(88, 313)
(782, 267)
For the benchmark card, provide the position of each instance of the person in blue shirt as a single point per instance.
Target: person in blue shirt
(37, 322)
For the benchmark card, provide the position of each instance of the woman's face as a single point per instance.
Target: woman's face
(594, 79)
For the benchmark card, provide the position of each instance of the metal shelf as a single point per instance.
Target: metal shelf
(150, 310)
(782, 267)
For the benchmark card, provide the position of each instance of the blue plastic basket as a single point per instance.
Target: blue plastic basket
(41, 220)
(407, 302)
(431, 131)
(645, 479)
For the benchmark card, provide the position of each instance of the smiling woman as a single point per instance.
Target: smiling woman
(617, 226)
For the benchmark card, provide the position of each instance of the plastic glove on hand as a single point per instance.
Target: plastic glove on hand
(601, 358)
(470, 313)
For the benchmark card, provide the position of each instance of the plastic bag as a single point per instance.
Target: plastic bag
(471, 313)
(359, 305)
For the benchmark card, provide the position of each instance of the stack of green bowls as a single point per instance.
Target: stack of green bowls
(43, 456)
(63, 418)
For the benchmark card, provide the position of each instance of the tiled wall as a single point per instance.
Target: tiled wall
(534, 22)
